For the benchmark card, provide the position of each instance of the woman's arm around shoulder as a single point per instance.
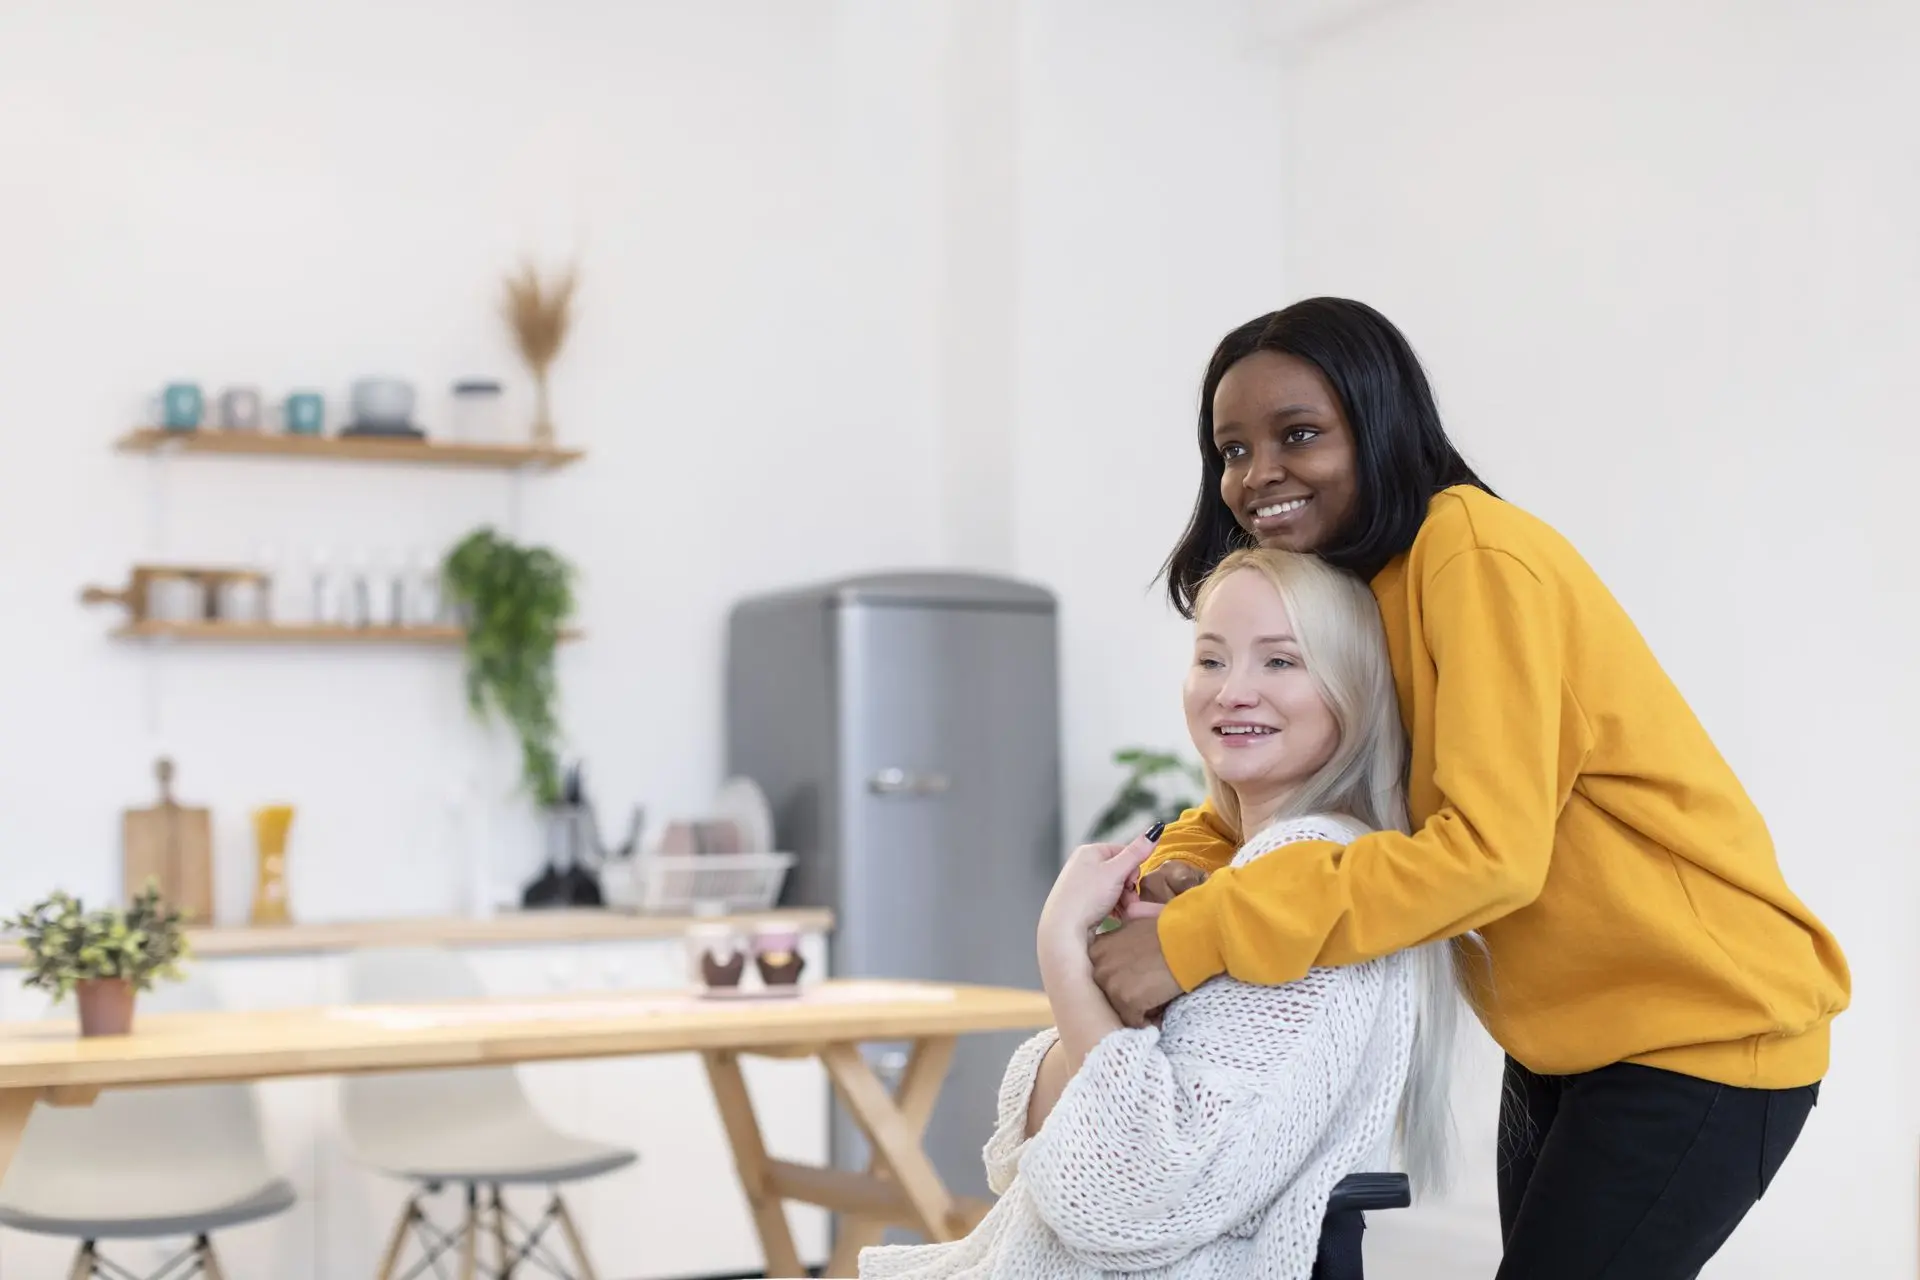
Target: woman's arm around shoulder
(1509, 746)
(1197, 837)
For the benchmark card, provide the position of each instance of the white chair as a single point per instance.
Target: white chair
(145, 1164)
(472, 1128)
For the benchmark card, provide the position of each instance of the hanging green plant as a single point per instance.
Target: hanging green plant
(516, 600)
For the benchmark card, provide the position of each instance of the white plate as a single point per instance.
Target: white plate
(744, 804)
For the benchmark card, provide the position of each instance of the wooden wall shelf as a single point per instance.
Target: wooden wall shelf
(269, 444)
(278, 633)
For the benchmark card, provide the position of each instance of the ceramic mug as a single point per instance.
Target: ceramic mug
(240, 409)
(181, 406)
(305, 413)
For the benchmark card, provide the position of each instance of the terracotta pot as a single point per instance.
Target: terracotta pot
(106, 1006)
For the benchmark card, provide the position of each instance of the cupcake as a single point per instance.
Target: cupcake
(714, 951)
(776, 953)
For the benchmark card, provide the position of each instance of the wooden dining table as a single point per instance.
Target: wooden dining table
(48, 1063)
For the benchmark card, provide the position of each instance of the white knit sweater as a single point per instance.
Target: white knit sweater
(1205, 1148)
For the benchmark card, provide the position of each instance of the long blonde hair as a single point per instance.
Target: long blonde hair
(1344, 650)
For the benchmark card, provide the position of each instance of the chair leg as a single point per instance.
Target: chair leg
(1340, 1256)
(203, 1254)
(391, 1260)
(470, 1235)
(500, 1235)
(83, 1267)
(573, 1237)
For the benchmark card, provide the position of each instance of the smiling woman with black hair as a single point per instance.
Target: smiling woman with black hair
(1662, 996)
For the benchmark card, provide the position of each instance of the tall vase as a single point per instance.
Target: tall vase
(542, 416)
(270, 826)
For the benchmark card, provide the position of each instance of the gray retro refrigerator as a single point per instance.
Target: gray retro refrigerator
(905, 728)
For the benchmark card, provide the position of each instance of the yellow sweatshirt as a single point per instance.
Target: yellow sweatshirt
(1569, 806)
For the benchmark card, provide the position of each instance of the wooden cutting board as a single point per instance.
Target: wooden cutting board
(173, 844)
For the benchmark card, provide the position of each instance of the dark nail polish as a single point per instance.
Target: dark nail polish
(1153, 832)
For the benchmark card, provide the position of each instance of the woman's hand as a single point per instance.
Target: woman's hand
(1169, 880)
(1131, 972)
(1089, 888)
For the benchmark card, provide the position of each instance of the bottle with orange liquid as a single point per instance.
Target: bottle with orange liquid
(270, 826)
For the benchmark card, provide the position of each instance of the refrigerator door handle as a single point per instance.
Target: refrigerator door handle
(898, 782)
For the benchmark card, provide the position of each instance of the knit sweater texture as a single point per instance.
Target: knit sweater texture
(1204, 1148)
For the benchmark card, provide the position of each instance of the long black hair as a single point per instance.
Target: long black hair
(1401, 452)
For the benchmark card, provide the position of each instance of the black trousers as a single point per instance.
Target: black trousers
(1633, 1173)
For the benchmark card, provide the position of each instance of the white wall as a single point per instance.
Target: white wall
(296, 195)
(1150, 212)
(1661, 261)
(865, 285)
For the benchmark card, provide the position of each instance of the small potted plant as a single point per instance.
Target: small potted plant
(103, 956)
(1159, 787)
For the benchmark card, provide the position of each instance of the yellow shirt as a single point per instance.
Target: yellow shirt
(1569, 806)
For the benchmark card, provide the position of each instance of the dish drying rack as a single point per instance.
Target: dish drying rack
(696, 884)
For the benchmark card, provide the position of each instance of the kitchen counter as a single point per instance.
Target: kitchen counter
(509, 928)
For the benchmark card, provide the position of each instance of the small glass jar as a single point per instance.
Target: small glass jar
(242, 598)
(479, 412)
(176, 597)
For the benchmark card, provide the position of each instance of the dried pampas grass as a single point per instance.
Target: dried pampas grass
(540, 314)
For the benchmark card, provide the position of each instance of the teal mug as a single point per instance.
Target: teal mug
(181, 406)
(305, 413)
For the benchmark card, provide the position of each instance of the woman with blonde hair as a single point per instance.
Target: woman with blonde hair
(1208, 1145)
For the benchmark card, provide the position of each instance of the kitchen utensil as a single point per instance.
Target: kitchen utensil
(742, 803)
(240, 409)
(567, 880)
(171, 844)
(631, 845)
(544, 890)
(187, 593)
(700, 884)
